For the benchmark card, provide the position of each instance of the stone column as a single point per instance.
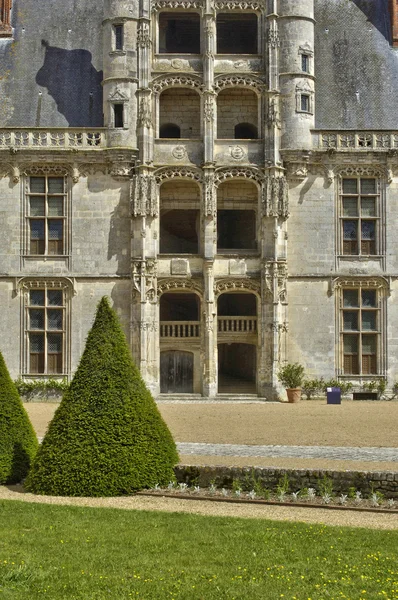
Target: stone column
(210, 332)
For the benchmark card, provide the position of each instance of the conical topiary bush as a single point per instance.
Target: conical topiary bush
(107, 436)
(18, 442)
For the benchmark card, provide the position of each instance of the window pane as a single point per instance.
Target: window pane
(368, 186)
(36, 318)
(350, 319)
(54, 343)
(305, 103)
(54, 319)
(54, 363)
(37, 229)
(368, 207)
(350, 344)
(37, 185)
(37, 297)
(37, 205)
(369, 344)
(36, 342)
(55, 206)
(55, 230)
(350, 186)
(369, 320)
(55, 298)
(350, 298)
(350, 207)
(368, 230)
(369, 298)
(350, 230)
(55, 185)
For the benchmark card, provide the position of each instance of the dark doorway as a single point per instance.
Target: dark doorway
(245, 131)
(176, 372)
(237, 368)
(169, 130)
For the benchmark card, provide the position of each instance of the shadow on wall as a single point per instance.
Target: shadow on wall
(74, 83)
(377, 14)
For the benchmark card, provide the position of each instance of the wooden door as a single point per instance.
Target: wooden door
(176, 372)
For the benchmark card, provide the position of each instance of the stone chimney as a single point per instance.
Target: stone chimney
(393, 6)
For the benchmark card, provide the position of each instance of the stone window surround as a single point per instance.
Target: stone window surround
(25, 286)
(377, 284)
(46, 172)
(380, 212)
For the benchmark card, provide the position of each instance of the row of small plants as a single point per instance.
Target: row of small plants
(41, 387)
(255, 490)
(293, 376)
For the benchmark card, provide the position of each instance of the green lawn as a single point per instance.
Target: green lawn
(55, 552)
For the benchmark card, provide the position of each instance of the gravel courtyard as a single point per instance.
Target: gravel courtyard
(308, 423)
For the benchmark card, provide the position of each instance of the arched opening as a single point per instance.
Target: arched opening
(179, 217)
(179, 110)
(237, 368)
(245, 131)
(169, 130)
(237, 33)
(236, 216)
(236, 107)
(175, 306)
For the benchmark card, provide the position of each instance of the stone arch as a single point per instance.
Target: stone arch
(170, 284)
(163, 82)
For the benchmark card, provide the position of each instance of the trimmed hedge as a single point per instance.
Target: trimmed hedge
(18, 442)
(107, 436)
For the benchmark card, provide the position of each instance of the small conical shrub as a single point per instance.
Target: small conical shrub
(107, 437)
(18, 442)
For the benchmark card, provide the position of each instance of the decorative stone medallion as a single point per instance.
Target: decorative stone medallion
(237, 152)
(179, 152)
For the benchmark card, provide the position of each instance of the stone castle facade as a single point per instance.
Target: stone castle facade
(226, 171)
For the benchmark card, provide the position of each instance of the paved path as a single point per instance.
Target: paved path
(328, 452)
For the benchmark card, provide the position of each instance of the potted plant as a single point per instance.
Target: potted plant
(291, 376)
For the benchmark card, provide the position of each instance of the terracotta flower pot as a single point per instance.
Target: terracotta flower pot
(293, 394)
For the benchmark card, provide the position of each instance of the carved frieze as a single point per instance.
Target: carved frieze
(143, 194)
(273, 112)
(188, 81)
(225, 173)
(169, 283)
(228, 285)
(239, 5)
(275, 197)
(380, 283)
(210, 196)
(208, 109)
(143, 35)
(184, 4)
(223, 81)
(273, 39)
(176, 172)
(145, 112)
(274, 277)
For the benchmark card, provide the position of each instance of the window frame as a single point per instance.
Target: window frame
(27, 286)
(377, 218)
(380, 287)
(27, 217)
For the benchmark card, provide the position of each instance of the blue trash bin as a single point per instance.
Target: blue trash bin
(333, 395)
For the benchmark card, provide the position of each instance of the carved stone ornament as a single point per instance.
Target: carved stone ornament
(184, 4)
(275, 197)
(297, 171)
(121, 169)
(143, 276)
(228, 285)
(169, 283)
(145, 326)
(274, 277)
(239, 5)
(225, 173)
(237, 152)
(165, 173)
(208, 109)
(143, 35)
(179, 152)
(273, 113)
(379, 283)
(165, 81)
(145, 112)
(273, 39)
(143, 194)
(361, 170)
(247, 81)
(25, 284)
(210, 196)
(118, 96)
(5, 15)
(12, 170)
(279, 327)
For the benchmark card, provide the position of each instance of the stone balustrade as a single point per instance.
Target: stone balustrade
(180, 329)
(356, 140)
(237, 325)
(53, 138)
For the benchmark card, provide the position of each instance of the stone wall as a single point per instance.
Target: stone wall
(235, 106)
(181, 107)
(385, 482)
